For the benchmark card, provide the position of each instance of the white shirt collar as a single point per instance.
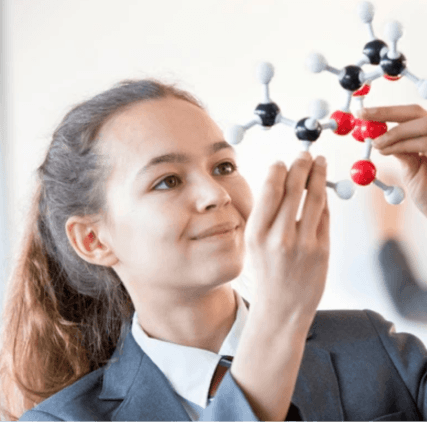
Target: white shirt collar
(189, 369)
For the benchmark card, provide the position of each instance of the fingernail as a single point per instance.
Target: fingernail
(280, 163)
(304, 155)
(320, 160)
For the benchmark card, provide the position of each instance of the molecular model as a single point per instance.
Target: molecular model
(307, 129)
(356, 83)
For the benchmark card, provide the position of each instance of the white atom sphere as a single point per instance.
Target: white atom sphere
(306, 145)
(234, 134)
(318, 109)
(264, 72)
(394, 196)
(345, 189)
(383, 51)
(422, 88)
(316, 63)
(393, 31)
(365, 10)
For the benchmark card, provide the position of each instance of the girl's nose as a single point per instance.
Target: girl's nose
(209, 194)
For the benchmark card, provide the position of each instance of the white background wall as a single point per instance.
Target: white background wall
(58, 53)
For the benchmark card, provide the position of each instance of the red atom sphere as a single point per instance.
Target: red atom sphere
(390, 78)
(362, 91)
(373, 129)
(363, 172)
(357, 132)
(345, 122)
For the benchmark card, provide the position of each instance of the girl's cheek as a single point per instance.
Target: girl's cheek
(249, 205)
(244, 199)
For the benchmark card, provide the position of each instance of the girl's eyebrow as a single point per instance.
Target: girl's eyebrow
(180, 157)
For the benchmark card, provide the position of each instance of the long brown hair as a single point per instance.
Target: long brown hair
(63, 316)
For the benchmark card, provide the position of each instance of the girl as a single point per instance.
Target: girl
(121, 307)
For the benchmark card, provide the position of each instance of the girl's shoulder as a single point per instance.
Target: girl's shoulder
(77, 402)
(358, 331)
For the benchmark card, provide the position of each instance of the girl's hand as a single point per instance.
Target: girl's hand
(290, 260)
(290, 257)
(408, 142)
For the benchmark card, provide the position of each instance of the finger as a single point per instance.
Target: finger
(267, 206)
(392, 113)
(314, 200)
(323, 227)
(413, 145)
(285, 221)
(410, 164)
(406, 130)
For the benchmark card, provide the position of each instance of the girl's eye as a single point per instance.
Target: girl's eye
(171, 181)
(226, 168)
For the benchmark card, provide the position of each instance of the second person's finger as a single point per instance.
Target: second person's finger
(392, 113)
(413, 145)
(406, 130)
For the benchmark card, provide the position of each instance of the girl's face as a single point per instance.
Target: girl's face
(177, 204)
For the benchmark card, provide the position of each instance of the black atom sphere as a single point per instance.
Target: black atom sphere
(268, 113)
(393, 67)
(303, 133)
(373, 49)
(349, 78)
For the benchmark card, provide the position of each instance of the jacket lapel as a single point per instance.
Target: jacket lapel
(316, 392)
(145, 392)
(147, 395)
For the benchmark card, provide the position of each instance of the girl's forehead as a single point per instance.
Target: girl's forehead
(156, 113)
(158, 124)
(165, 107)
(154, 128)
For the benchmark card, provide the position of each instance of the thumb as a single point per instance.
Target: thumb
(410, 164)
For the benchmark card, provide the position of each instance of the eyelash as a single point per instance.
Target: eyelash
(233, 166)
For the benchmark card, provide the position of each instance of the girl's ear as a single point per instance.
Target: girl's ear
(83, 235)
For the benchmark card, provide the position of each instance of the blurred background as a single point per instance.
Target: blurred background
(55, 54)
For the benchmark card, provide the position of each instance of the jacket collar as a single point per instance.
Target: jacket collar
(131, 376)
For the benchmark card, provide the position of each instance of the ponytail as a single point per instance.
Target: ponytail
(62, 316)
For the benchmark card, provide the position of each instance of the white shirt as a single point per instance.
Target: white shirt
(189, 369)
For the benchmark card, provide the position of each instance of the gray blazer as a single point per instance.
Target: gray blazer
(355, 367)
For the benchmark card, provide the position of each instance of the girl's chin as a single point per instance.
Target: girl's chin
(224, 273)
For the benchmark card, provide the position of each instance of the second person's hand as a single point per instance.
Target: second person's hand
(407, 141)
